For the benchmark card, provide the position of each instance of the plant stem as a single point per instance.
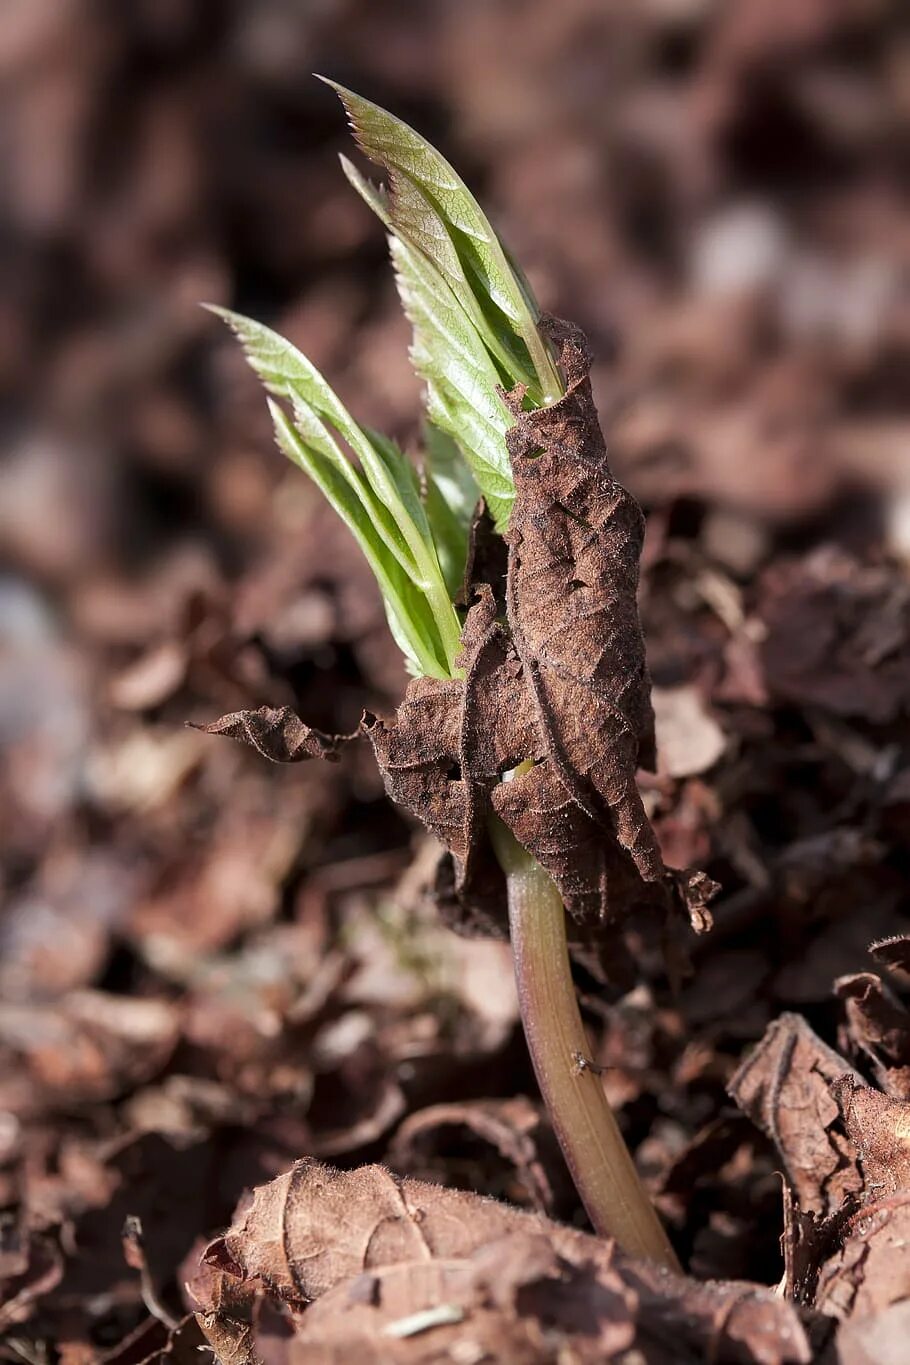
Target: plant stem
(595, 1153)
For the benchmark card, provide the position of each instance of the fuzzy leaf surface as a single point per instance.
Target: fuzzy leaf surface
(390, 1269)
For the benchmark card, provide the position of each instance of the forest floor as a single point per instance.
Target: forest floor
(216, 973)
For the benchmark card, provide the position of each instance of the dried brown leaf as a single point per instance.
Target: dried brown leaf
(785, 1088)
(876, 1339)
(878, 1027)
(278, 734)
(88, 1047)
(396, 1270)
(513, 1132)
(871, 1269)
(893, 953)
(575, 539)
(879, 1129)
(837, 636)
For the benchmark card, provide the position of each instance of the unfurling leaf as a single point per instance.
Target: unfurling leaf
(431, 209)
(451, 496)
(560, 691)
(379, 502)
(474, 317)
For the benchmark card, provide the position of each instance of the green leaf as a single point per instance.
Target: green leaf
(451, 496)
(431, 209)
(288, 374)
(449, 354)
(379, 501)
(410, 617)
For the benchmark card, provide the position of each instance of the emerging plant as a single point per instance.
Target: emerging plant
(509, 570)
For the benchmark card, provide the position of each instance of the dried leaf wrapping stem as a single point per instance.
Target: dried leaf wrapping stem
(561, 684)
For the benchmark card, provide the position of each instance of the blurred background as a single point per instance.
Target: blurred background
(717, 194)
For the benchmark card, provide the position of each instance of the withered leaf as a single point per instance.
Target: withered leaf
(575, 539)
(561, 688)
(837, 636)
(877, 1338)
(879, 1128)
(878, 1026)
(226, 1313)
(871, 1270)
(88, 1047)
(514, 1130)
(785, 1088)
(277, 733)
(391, 1269)
(893, 953)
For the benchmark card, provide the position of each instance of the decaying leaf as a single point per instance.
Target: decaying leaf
(837, 636)
(561, 685)
(512, 1134)
(390, 1269)
(893, 953)
(785, 1088)
(575, 541)
(90, 1047)
(278, 734)
(871, 1269)
(847, 1213)
(877, 1338)
(877, 1027)
(879, 1128)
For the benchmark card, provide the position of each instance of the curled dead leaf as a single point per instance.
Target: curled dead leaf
(878, 1028)
(871, 1269)
(277, 733)
(785, 1088)
(512, 1135)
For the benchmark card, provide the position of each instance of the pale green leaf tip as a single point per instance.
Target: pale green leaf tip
(348, 98)
(236, 321)
(340, 90)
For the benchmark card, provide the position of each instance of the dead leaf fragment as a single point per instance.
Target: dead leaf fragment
(871, 1269)
(893, 953)
(513, 1131)
(879, 1129)
(278, 734)
(689, 739)
(877, 1027)
(877, 1338)
(88, 1047)
(785, 1088)
(362, 1257)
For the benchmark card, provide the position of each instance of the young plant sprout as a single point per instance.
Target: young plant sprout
(509, 570)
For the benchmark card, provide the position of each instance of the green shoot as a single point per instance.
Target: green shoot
(475, 334)
(379, 502)
(473, 314)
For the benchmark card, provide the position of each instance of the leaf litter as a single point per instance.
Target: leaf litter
(294, 992)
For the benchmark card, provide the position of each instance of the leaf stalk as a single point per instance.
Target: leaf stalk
(585, 1125)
